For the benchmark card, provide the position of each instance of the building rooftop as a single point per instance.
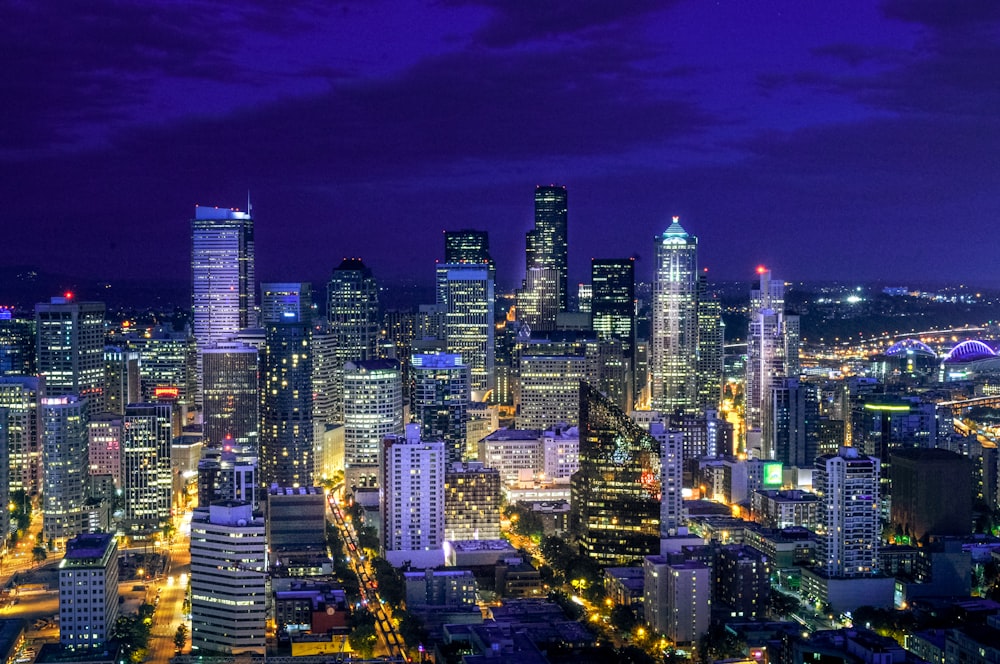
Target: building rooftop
(88, 546)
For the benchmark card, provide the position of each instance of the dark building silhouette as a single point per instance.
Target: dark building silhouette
(546, 244)
(931, 492)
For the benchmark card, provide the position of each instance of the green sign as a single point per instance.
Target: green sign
(772, 474)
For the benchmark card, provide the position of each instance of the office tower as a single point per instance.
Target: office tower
(70, 342)
(227, 474)
(324, 377)
(471, 502)
(467, 246)
(772, 354)
(121, 379)
(439, 400)
(352, 311)
(17, 344)
(296, 531)
(399, 330)
(616, 492)
(612, 312)
(88, 590)
(548, 374)
(19, 397)
(848, 485)
(413, 486)
(674, 338)
(146, 478)
(743, 581)
(64, 458)
(286, 434)
(230, 395)
(794, 423)
(228, 579)
(168, 365)
(546, 244)
(373, 409)
(104, 439)
(539, 300)
(677, 598)
(508, 337)
(468, 321)
(222, 271)
(711, 348)
(671, 478)
(584, 298)
(929, 493)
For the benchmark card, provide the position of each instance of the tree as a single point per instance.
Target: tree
(363, 636)
(623, 618)
(412, 629)
(39, 553)
(391, 586)
(180, 637)
(132, 632)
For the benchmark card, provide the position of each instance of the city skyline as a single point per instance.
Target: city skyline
(811, 134)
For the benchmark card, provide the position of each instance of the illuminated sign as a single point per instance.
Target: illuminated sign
(888, 407)
(772, 474)
(166, 392)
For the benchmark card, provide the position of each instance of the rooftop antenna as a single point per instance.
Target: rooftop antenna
(249, 207)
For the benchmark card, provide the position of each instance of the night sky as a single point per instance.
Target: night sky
(849, 140)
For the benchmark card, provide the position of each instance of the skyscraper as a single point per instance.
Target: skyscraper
(471, 502)
(373, 409)
(539, 300)
(121, 379)
(547, 245)
(848, 485)
(673, 365)
(468, 324)
(228, 579)
(352, 311)
(146, 478)
(612, 314)
(772, 353)
(794, 411)
(616, 492)
(64, 457)
(711, 348)
(286, 433)
(70, 343)
(19, 397)
(88, 590)
(223, 276)
(439, 400)
(413, 486)
(671, 478)
(231, 395)
(467, 246)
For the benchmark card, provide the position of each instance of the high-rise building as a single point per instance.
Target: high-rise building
(121, 379)
(711, 348)
(228, 579)
(146, 477)
(88, 590)
(471, 502)
(743, 581)
(612, 312)
(547, 243)
(772, 354)
(104, 436)
(373, 409)
(4, 477)
(17, 344)
(286, 434)
(848, 486)
(222, 270)
(929, 496)
(467, 246)
(325, 372)
(548, 373)
(296, 531)
(539, 300)
(439, 400)
(673, 365)
(227, 474)
(468, 321)
(794, 423)
(168, 365)
(671, 478)
(64, 457)
(677, 598)
(70, 343)
(352, 311)
(413, 487)
(616, 492)
(19, 396)
(230, 395)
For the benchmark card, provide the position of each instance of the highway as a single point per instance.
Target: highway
(387, 632)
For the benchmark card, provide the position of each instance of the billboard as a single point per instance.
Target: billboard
(772, 475)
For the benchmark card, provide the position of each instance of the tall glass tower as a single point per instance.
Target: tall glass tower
(612, 315)
(222, 271)
(546, 244)
(70, 344)
(673, 365)
(352, 312)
